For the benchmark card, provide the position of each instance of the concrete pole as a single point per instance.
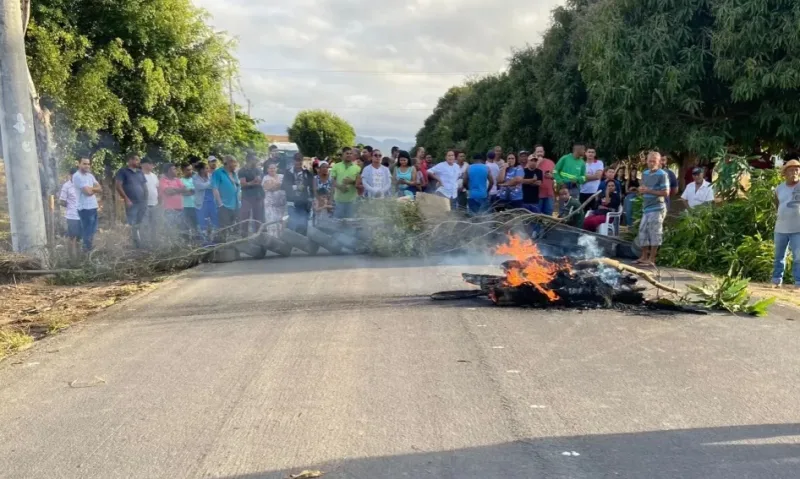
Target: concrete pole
(28, 233)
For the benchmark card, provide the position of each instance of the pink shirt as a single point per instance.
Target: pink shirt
(171, 202)
(547, 189)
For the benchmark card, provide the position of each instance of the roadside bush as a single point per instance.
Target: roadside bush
(731, 236)
(396, 228)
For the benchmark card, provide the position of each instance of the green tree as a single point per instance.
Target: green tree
(142, 75)
(560, 93)
(520, 124)
(755, 45)
(443, 126)
(320, 133)
(649, 70)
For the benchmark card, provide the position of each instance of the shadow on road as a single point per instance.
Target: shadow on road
(758, 451)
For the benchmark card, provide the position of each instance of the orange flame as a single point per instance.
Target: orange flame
(535, 270)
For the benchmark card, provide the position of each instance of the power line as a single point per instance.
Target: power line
(366, 72)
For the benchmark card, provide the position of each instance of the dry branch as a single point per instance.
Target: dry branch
(589, 263)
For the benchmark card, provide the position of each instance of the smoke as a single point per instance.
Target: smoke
(591, 249)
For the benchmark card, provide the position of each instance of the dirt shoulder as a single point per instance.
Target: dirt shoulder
(35, 309)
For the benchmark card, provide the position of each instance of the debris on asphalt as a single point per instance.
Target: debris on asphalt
(306, 475)
(77, 384)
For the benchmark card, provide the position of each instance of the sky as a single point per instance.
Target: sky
(381, 65)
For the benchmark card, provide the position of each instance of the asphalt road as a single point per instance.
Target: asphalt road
(262, 369)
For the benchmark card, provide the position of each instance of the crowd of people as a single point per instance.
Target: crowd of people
(204, 200)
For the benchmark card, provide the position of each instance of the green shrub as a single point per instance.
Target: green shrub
(396, 229)
(730, 294)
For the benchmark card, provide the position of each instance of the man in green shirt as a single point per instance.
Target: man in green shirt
(570, 171)
(345, 177)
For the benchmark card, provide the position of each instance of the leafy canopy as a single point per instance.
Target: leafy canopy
(320, 133)
(144, 75)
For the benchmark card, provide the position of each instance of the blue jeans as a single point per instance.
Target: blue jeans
(207, 215)
(546, 206)
(344, 210)
(477, 207)
(784, 242)
(88, 227)
(628, 205)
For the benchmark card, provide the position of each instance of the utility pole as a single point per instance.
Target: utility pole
(248, 106)
(28, 233)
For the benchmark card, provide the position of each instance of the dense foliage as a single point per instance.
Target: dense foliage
(692, 77)
(320, 133)
(136, 75)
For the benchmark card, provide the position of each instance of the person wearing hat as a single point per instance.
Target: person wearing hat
(698, 191)
(787, 226)
(522, 158)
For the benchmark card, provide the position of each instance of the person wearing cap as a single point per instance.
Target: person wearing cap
(699, 191)
(522, 158)
(787, 226)
(212, 164)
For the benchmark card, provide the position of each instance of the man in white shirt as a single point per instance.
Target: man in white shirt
(594, 174)
(446, 174)
(494, 170)
(69, 200)
(87, 187)
(699, 191)
(150, 222)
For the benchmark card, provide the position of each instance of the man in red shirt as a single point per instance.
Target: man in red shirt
(422, 167)
(547, 193)
(171, 190)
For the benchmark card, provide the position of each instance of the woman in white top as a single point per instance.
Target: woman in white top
(376, 178)
(787, 226)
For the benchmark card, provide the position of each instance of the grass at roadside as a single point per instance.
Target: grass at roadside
(33, 310)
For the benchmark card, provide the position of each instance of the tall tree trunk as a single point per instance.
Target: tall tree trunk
(43, 130)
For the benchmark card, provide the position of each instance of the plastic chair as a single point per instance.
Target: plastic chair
(612, 224)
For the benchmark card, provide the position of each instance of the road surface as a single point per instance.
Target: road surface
(262, 369)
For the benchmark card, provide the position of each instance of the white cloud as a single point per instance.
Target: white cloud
(380, 65)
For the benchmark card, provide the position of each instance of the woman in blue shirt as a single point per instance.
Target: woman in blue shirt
(511, 176)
